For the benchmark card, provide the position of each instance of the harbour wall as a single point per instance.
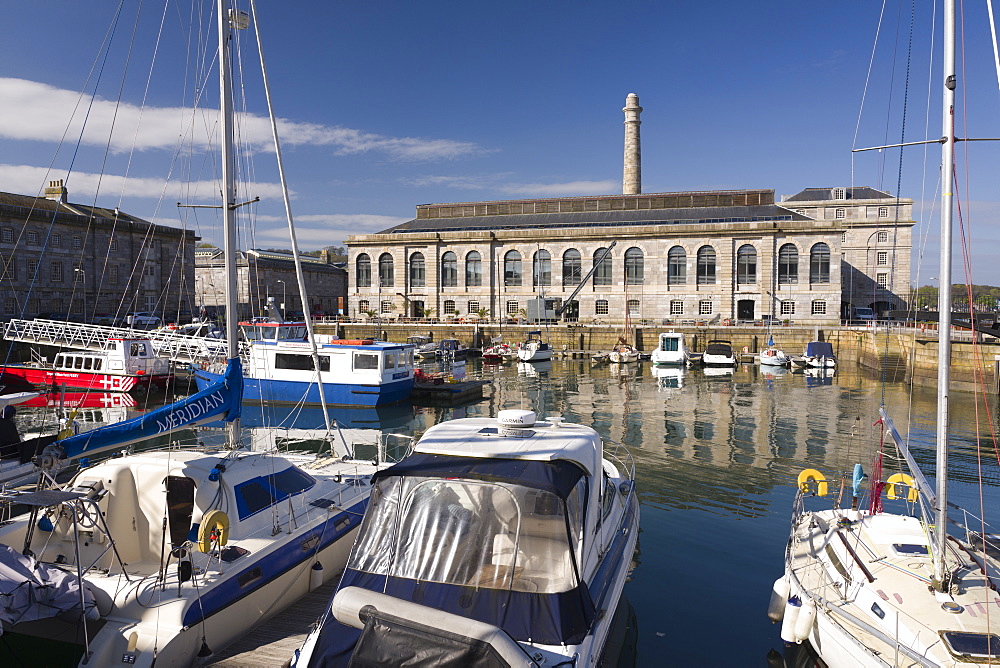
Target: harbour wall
(903, 353)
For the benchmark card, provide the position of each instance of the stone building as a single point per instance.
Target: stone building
(262, 274)
(77, 261)
(733, 255)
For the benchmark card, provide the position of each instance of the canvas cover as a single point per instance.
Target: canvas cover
(30, 590)
(819, 349)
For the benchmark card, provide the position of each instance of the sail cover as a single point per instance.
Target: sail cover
(219, 401)
(30, 590)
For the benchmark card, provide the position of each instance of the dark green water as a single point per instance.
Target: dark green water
(716, 458)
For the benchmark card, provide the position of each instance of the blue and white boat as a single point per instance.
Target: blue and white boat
(507, 538)
(279, 367)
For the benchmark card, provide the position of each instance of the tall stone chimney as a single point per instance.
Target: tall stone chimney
(56, 191)
(632, 180)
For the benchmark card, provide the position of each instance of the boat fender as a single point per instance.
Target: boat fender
(805, 621)
(815, 476)
(779, 594)
(316, 576)
(901, 478)
(792, 607)
(214, 530)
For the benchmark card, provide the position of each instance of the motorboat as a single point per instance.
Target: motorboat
(773, 357)
(818, 355)
(718, 352)
(423, 346)
(498, 353)
(670, 349)
(623, 353)
(501, 541)
(533, 349)
(354, 372)
(123, 365)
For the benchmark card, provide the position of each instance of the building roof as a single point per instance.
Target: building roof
(27, 205)
(827, 194)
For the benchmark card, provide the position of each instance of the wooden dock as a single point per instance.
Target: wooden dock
(272, 643)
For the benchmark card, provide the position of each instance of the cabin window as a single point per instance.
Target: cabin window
(98, 364)
(137, 350)
(607, 503)
(298, 362)
(88, 363)
(389, 360)
(365, 361)
(973, 645)
(269, 333)
(259, 493)
(77, 362)
(180, 505)
(669, 344)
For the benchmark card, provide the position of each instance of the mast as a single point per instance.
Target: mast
(228, 200)
(944, 294)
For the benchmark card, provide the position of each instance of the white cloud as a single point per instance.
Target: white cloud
(83, 186)
(40, 112)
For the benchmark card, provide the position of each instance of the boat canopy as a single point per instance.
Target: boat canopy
(819, 349)
(719, 349)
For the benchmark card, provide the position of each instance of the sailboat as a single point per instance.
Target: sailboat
(772, 355)
(871, 588)
(161, 557)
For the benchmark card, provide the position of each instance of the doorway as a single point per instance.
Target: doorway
(744, 309)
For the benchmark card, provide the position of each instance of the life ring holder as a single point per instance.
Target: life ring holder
(214, 530)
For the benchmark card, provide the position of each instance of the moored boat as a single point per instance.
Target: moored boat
(718, 352)
(670, 349)
(507, 537)
(533, 349)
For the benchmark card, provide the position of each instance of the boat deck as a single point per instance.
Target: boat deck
(272, 643)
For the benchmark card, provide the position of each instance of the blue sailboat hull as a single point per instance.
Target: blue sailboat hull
(337, 394)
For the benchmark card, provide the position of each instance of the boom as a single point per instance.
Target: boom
(597, 263)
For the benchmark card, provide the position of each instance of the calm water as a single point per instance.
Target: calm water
(716, 457)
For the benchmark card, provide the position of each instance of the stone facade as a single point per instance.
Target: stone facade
(677, 258)
(78, 261)
(262, 274)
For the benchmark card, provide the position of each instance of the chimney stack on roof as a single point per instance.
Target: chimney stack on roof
(56, 191)
(632, 180)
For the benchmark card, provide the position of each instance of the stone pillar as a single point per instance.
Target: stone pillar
(632, 180)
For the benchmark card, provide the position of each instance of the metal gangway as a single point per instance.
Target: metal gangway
(166, 342)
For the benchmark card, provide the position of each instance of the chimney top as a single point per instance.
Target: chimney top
(56, 191)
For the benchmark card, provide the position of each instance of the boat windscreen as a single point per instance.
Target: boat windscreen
(471, 533)
(718, 349)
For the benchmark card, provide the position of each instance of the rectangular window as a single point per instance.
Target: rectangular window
(364, 305)
(511, 308)
(8, 235)
(449, 307)
(883, 237)
(676, 307)
(32, 238)
(705, 307)
(819, 307)
(300, 362)
(114, 246)
(787, 308)
(386, 307)
(633, 307)
(77, 242)
(843, 237)
(32, 268)
(840, 213)
(882, 258)
(365, 361)
(882, 279)
(9, 306)
(601, 307)
(55, 241)
(473, 306)
(149, 270)
(56, 272)
(8, 268)
(883, 212)
(113, 274)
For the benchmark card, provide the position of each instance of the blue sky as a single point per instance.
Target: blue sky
(388, 105)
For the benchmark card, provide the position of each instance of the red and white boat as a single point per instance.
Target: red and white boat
(125, 365)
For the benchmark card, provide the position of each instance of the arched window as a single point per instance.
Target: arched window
(746, 265)
(363, 271)
(541, 269)
(676, 266)
(633, 266)
(449, 270)
(512, 268)
(473, 269)
(418, 272)
(788, 265)
(819, 264)
(572, 269)
(385, 273)
(706, 265)
(603, 273)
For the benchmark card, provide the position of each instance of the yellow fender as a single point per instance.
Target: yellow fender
(900, 478)
(214, 530)
(816, 477)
